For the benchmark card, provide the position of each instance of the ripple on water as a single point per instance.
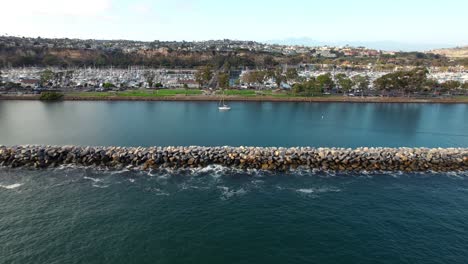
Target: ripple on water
(92, 179)
(231, 182)
(318, 190)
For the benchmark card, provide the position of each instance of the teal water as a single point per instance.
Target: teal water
(253, 124)
(73, 215)
(219, 215)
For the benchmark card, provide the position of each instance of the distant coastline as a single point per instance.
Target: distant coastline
(211, 98)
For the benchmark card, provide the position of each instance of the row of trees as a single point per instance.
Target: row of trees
(206, 75)
(408, 82)
(453, 85)
(314, 86)
(150, 77)
(278, 75)
(401, 82)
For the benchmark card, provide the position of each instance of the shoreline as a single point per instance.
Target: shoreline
(206, 98)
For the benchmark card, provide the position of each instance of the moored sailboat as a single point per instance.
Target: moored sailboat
(222, 104)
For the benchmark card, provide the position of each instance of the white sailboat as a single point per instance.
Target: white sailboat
(222, 104)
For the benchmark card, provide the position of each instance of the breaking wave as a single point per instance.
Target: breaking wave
(11, 186)
(92, 179)
(217, 171)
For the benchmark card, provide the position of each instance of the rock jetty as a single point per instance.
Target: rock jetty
(263, 158)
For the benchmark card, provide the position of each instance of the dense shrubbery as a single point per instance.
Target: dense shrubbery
(410, 82)
(51, 96)
(416, 81)
(314, 86)
(308, 88)
(404, 81)
(108, 85)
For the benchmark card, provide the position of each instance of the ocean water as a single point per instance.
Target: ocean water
(217, 215)
(221, 215)
(247, 124)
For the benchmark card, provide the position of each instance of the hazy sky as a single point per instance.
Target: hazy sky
(411, 21)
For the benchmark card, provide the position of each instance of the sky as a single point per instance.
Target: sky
(421, 23)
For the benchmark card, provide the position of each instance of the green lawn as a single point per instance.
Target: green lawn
(174, 92)
(91, 94)
(246, 93)
(139, 93)
(253, 93)
(163, 92)
(290, 95)
(240, 93)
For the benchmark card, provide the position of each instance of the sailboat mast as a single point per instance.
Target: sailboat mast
(222, 98)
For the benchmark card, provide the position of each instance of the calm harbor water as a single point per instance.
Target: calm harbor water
(220, 215)
(253, 124)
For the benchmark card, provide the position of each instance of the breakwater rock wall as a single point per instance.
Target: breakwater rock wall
(279, 159)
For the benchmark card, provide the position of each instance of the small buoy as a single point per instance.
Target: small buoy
(322, 117)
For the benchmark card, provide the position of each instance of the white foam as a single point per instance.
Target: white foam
(100, 186)
(319, 190)
(11, 186)
(186, 186)
(119, 172)
(227, 193)
(306, 190)
(330, 189)
(159, 192)
(151, 174)
(257, 183)
(156, 191)
(66, 167)
(456, 175)
(162, 177)
(216, 171)
(92, 179)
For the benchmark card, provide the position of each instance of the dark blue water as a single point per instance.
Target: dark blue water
(253, 124)
(218, 216)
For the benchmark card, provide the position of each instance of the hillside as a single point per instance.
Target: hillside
(24, 52)
(459, 52)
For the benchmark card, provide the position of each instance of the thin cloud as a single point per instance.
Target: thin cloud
(85, 8)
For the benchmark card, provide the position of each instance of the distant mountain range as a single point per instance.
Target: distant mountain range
(380, 45)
